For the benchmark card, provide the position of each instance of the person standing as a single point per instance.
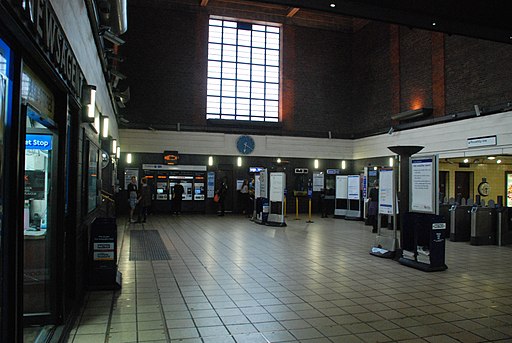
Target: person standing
(144, 200)
(244, 197)
(222, 192)
(132, 196)
(177, 197)
(373, 206)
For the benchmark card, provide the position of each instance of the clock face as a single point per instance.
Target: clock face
(484, 189)
(245, 144)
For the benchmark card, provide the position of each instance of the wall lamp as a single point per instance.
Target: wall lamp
(104, 126)
(343, 164)
(89, 102)
(316, 164)
(118, 152)
(114, 146)
(239, 161)
(128, 158)
(412, 114)
(210, 161)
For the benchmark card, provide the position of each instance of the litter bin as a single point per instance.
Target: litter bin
(483, 225)
(103, 273)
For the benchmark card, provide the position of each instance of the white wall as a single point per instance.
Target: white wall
(447, 140)
(73, 17)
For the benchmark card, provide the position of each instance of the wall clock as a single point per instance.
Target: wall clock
(245, 144)
(484, 189)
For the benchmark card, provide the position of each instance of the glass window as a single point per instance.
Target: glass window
(243, 71)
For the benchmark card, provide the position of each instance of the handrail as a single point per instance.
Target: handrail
(107, 198)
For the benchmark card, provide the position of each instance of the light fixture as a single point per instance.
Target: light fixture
(466, 160)
(375, 168)
(498, 161)
(278, 160)
(332, 5)
(104, 126)
(114, 146)
(491, 158)
(210, 161)
(434, 23)
(391, 161)
(118, 152)
(239, 161)
(89, 103)
(316, 164)
(343, 164)
(128, 158)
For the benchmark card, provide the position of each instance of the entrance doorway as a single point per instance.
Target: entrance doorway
(39, 296)
(463, 185)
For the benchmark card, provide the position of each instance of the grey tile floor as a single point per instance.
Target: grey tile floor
(231, 280)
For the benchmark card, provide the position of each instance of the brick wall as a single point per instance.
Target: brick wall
(346, 83)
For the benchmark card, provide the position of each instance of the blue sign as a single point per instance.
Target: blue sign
(333, 171)
(38, 142)
(310, 193)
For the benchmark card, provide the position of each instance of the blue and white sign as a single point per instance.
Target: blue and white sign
(38, 142)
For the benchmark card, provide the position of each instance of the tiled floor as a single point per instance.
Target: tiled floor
(231, 280)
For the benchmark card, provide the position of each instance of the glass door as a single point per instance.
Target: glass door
(38, 221)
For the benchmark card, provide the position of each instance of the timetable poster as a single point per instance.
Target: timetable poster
(422, 182)
(386, 191)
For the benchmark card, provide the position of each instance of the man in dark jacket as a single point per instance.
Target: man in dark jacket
(177, 197)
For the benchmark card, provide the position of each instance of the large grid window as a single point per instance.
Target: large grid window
(243, 71)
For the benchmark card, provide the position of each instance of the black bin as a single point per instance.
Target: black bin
(103, 273)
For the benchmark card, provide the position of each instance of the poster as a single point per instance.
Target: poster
(277, 187)
(263, 184)
(386, 191)
(422, 182)
(341, 187)
(353, 187)
(318, 182)
(509, 189)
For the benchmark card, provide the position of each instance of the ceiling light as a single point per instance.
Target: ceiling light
(278, 160)
(434, 23)
(333, 5)
(466, 160)
(498, 161)
(491, 158)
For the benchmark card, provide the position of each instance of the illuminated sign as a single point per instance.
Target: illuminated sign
(171, 157)
(38, 142)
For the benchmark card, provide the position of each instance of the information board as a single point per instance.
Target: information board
(423, 185)
(276, 187)
(128, 173)
(509, 189)
(211, 185)
(318, 182)
(387, 191)
(353, 187)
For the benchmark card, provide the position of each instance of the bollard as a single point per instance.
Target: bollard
(297, 208)
(309, 213)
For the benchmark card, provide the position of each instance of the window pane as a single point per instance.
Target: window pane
(229, 70)
(244, 54)
(229, 53)
(243, 71)
(214, 51)
(258, 73)
(214, 69)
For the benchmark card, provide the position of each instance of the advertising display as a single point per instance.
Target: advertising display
(509, 189)
(341, 202)
(276, 199)
(386, 191)
(353, 187)
(211, 185)
(423, 184)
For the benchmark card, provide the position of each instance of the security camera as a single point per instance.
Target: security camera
(112, 38)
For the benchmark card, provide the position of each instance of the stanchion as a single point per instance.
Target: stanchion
(297, 208)
(284, 209)
(309, 213)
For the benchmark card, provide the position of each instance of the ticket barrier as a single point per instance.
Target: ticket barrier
(444, 210)
(483, 225)
(460, 223)
(504, 233)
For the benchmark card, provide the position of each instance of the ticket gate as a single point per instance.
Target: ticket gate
(504, 234)
(483, 225)
(460, 223)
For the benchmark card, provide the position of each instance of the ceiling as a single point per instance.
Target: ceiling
(480, 19)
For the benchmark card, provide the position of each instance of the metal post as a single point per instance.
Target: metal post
(297, 208)
(309, 213)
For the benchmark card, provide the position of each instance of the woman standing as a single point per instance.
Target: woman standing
(132, 196)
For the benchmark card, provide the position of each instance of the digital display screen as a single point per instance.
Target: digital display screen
(160, 191)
